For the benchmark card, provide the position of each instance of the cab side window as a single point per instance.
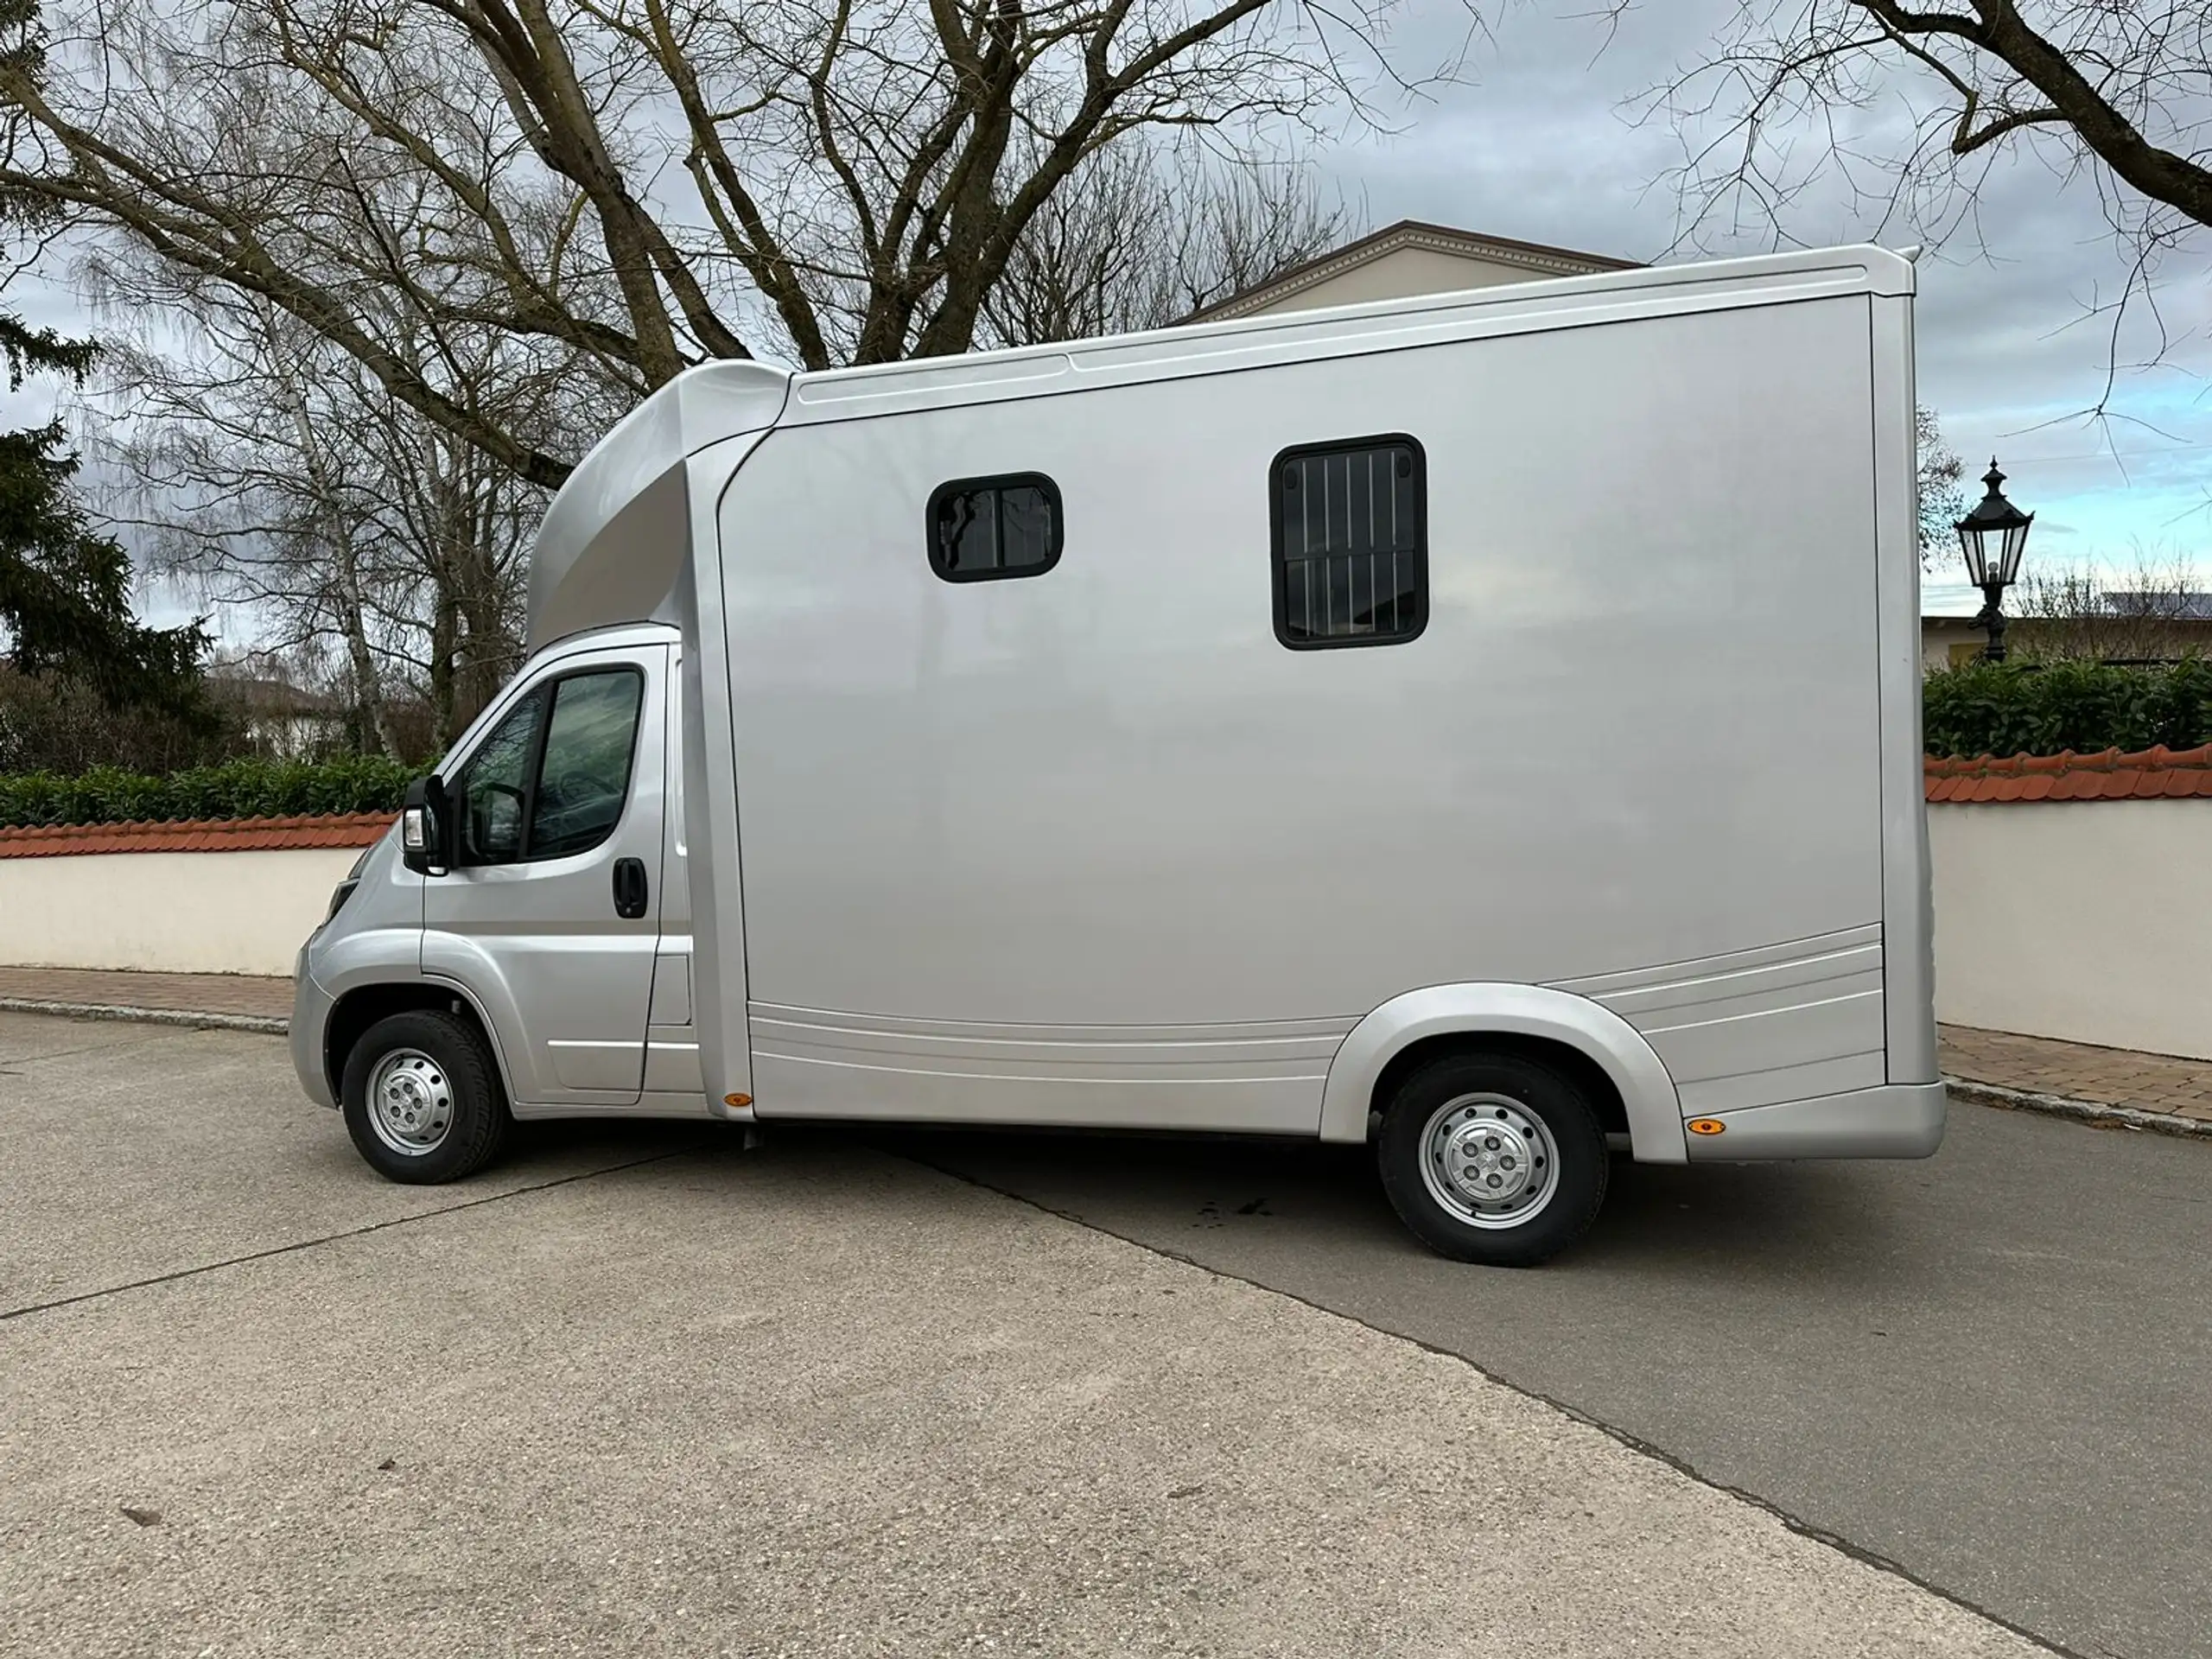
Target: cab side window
(585, 776)
(551, 780)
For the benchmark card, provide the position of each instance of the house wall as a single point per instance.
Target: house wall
(1947, 641)
(2084, 921)
(244, 913)
(1951, 641)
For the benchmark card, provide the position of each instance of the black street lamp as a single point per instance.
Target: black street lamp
(1993, 538)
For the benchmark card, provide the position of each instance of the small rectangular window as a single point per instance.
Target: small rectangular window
(1351, 522)
(981, 529)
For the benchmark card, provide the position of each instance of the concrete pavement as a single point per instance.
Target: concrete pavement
(641, 1393)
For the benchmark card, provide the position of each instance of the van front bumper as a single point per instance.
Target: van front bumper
(311, 1006)
(1902, 1119)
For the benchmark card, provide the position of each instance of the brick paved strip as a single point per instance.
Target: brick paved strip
(267, 997)
(2106, 1076)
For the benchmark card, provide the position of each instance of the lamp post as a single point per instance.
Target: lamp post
(1993, 538)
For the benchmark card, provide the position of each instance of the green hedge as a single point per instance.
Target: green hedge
(2010, 708)
(237, 788)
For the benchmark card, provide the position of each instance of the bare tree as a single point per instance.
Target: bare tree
(278, 474)
(1141, 239)
(2155, 612)
(643, 183)
(2121, 86)
(1906, 107)
(1943, 496)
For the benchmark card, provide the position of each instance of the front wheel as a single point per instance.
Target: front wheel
(421, 1098)
(1492, 1157)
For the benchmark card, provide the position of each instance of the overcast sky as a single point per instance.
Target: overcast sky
(1540, 144)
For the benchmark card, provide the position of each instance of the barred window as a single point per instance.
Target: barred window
(983, 528)
(1351, 542)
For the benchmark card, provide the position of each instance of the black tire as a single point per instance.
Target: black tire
(458, 1072)
(1473, 1084)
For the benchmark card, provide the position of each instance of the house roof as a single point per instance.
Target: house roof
(1536, 257)
(2159, 604)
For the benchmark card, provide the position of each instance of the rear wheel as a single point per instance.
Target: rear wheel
(421, 1098)
(1492, 1157)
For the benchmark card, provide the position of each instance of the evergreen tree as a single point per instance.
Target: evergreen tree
(65, 590)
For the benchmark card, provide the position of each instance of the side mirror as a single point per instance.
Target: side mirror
(426, 827)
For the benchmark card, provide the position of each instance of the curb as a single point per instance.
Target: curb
(2082, 1111)
(268, 1024)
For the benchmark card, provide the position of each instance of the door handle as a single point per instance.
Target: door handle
(630, 892)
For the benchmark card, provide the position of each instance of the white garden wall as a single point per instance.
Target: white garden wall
(229, 913)
(2086, 920)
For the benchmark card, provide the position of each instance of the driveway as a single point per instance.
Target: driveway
(638, 1391)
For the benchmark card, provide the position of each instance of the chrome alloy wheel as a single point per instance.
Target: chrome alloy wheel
(1489, 1161)
(411, 1103)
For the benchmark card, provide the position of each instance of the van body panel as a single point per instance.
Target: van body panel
(375, 939)
(613, 546)
(1802, 1017)
(1262, 1077)
(1108, 795)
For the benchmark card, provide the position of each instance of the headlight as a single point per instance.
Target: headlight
(337, 898)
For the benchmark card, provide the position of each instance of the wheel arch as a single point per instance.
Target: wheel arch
(1533, 1020)
(358, 1009)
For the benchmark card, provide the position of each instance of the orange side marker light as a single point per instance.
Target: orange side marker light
(737, 1100)
(1708, 1125)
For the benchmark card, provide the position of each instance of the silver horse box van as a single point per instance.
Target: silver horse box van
(1484, 726)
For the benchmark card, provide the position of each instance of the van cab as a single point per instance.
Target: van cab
(545, 946)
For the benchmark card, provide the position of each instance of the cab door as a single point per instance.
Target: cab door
(551, 913)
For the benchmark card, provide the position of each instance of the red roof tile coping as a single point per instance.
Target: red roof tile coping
(194, 835)
(2158, 773)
